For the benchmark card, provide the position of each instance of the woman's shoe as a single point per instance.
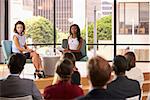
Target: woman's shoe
(39, 73)
(43, 73)
(35, 75)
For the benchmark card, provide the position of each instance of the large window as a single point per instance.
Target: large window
(133, 18)
(122, 29)
(38, 16)
(132, 24)
(143, 27)
(133, 29)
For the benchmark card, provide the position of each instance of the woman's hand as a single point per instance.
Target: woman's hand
(75, 50)
(66, 50)
(30, 50)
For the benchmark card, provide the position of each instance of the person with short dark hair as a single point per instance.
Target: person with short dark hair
(132, 71)
(99, 73)
(13, 85)
(64, 89)
(122, 86)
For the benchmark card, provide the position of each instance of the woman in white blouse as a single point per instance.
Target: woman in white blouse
(19, 46)
(75, 41)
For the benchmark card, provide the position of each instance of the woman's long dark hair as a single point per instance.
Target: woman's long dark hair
(78, 31)
(129, 57)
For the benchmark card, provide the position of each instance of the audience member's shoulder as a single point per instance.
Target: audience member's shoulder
(3, 79)
(51, 87)
(113, 82)
(87, 98)
(25, 79)
(135, 70)
(75, 86)
(76, 72)
(134, 81)
(123, 79)
(82, 98)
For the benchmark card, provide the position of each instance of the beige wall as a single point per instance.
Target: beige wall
(1, 25)
(2, 19)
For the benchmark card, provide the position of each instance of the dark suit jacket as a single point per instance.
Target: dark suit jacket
(98, 94)
(123, 87)
(14, 86)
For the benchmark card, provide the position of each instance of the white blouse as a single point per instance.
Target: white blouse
(22, 41)
(136, 74)
(73, 43)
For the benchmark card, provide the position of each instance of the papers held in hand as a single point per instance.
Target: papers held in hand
(60, 48)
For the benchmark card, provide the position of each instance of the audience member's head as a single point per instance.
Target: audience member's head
(16, 63)
(64, 69)
(70, 56)
(119, 64)
(99, 71)
(75, 77)
(131, 59)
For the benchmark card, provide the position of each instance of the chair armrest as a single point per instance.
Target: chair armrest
(85, 58)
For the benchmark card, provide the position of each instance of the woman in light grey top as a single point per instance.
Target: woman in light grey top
(19, 46)
(132, 71)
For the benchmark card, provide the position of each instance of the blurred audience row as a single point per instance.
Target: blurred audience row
(126, 83)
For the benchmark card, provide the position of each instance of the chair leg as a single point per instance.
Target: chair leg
(23, 73)
(3, 71)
